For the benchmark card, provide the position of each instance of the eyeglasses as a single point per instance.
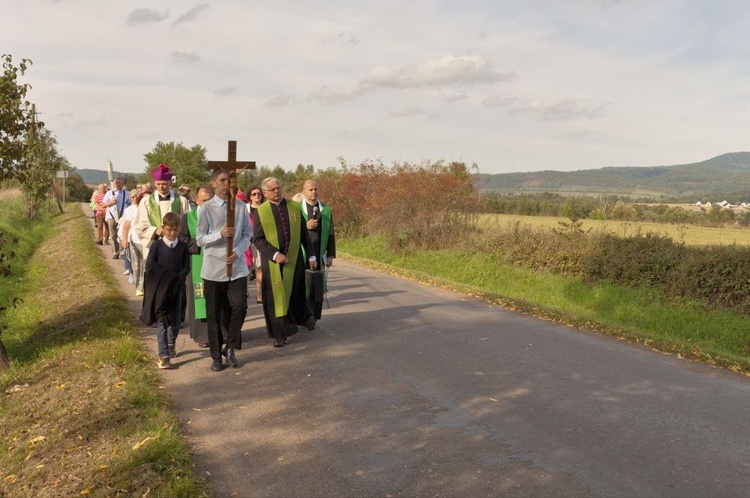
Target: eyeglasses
(254, 193)
(275, 189)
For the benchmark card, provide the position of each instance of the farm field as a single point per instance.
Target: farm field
(689, 234)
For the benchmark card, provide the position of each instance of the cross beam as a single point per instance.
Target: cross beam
(230, 166)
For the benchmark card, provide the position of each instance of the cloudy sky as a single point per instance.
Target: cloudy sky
(515, 85)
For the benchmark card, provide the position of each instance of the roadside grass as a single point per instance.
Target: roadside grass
(81, 410)
(688, 329)
(691, 235)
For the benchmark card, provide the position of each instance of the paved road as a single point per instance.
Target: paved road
(406, 390)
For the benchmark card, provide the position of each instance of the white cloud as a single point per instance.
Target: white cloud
(146, 16)
(184, 57)
(513, 86)
(192, 14)
(405, 113)
(226, 91)
(549, 109)
(445, 71)
(282, 100)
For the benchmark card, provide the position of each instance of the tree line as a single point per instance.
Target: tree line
(608, 207)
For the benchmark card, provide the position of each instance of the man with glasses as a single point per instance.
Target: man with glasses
(280, 235)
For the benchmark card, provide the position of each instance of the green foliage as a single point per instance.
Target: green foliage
(189, 166)
(718, 276)
(40, 165)
(638, 261)
(88, 387)
(16, 116)
(77, 190)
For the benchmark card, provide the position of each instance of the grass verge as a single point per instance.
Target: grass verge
(81, 411)
(686, 329)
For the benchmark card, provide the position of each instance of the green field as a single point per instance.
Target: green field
(689, 234)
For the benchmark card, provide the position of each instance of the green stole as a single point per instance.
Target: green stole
(325, 227)
(154, 211)
(282, 287)
(325, 231)
(195, 269)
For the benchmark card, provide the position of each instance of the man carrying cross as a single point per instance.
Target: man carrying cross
(224, 232)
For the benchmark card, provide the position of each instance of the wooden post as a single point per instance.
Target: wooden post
(230, 166)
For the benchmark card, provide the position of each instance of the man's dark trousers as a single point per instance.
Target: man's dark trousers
(226, 306)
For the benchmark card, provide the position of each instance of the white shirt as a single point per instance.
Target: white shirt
(212, 218)
(123, 201)
(129, 215)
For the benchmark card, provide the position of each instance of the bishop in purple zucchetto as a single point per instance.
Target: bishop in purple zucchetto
(162, 174)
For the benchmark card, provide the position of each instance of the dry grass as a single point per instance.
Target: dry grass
(689, 234)
(81, 411)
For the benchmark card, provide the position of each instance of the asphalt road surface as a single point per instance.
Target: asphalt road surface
(408, 390)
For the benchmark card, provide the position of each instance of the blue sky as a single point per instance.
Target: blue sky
(524, 85)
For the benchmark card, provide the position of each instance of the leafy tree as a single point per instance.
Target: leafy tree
(190, 166)
(16, 116)
(129, 181)
(301, 174)
(39, 167)
(77, 190)
(622, 211)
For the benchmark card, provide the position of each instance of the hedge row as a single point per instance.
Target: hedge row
(716, 275)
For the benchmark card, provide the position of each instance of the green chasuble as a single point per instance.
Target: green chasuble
(282, 287)
(195, 269)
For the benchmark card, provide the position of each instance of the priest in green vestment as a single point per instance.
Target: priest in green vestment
(152, 208)
(280, 236)
(196, 302)
(319, 222)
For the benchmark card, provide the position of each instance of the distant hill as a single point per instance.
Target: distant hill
(727, 173)
(97, 176)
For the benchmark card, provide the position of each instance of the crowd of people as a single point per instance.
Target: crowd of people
(195, 269)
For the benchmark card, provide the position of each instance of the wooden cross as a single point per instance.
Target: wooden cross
(230, 166)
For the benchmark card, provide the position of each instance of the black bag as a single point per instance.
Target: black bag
(314, 285)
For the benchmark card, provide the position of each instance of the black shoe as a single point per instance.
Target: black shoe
(116, 256)
(279, 343)
(310, 323)
(216, 366)
(99, 242)
(231, 359)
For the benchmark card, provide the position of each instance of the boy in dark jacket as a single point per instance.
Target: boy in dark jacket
(166, 268)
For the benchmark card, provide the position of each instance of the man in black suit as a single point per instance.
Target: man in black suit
(319, 222)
